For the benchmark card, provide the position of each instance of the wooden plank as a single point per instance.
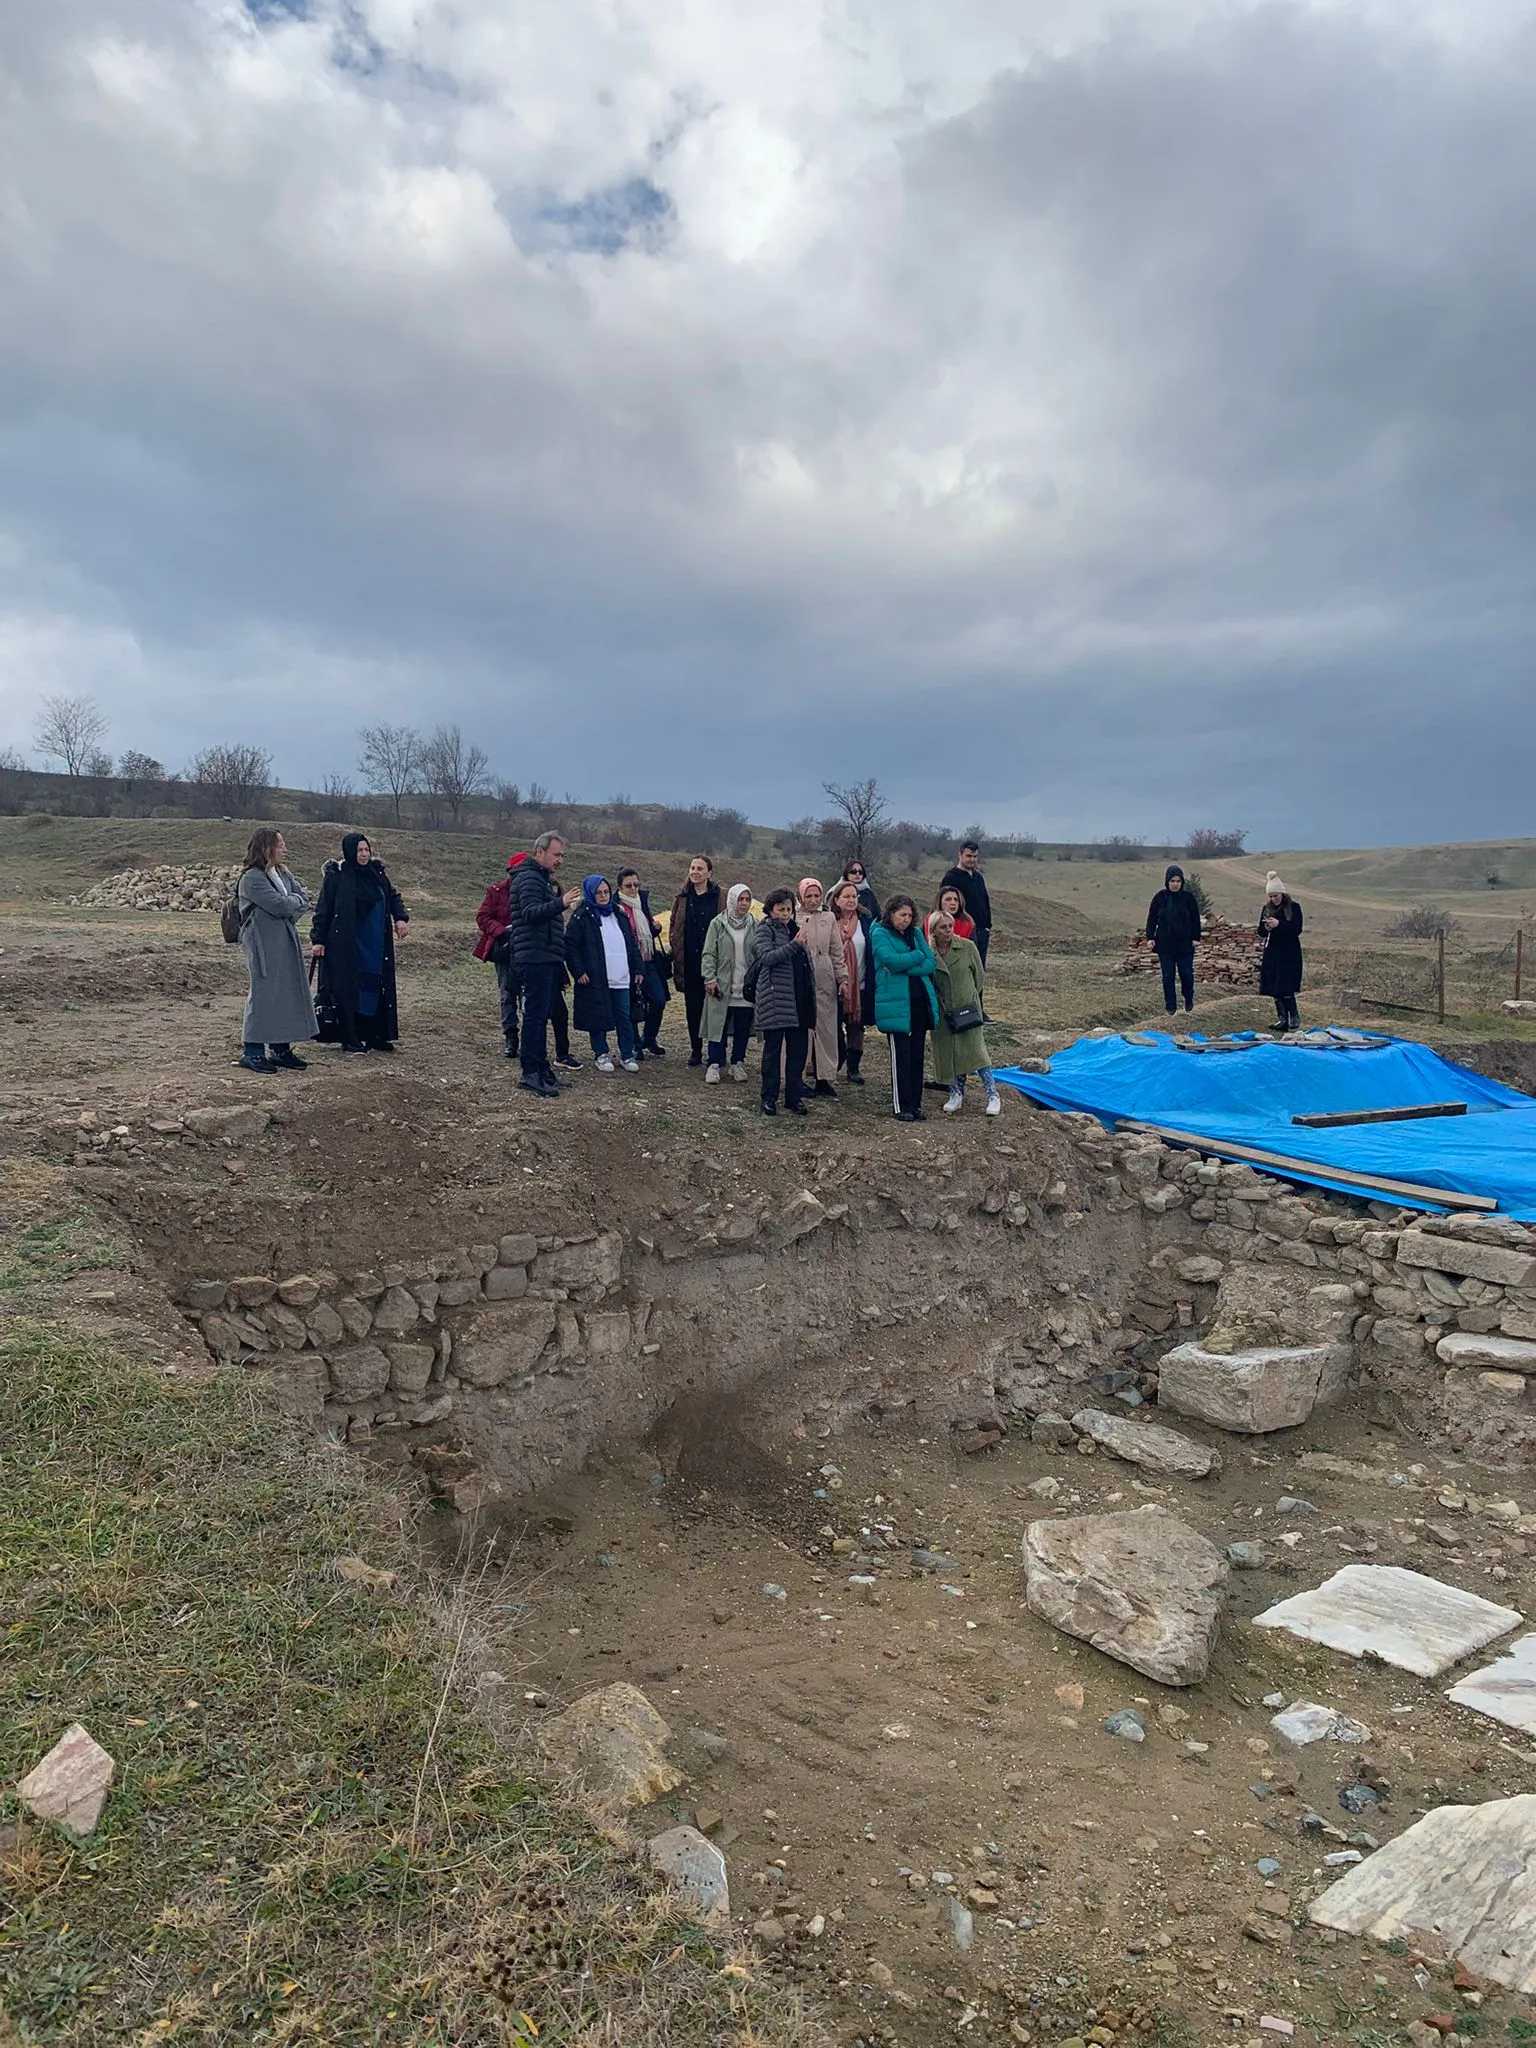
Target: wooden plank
(1279, 1164)
(1380, 1116)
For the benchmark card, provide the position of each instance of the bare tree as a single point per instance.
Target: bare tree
(337, 789)
(71, 730)
(391, 760)
(864, 810)
(233, 778)
(539, 797)
(453, 768)
(509, 798)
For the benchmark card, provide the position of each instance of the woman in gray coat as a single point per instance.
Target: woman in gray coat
(279, 1008)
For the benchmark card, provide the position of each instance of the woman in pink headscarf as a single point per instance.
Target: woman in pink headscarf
(822, 940)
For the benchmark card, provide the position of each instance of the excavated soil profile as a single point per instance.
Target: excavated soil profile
(750, 1416)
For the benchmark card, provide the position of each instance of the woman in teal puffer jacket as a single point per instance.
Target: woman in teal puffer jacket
(906, 1007)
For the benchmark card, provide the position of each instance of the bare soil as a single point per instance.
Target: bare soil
(862, 1747)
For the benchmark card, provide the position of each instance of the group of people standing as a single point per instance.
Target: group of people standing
(1174, 930)
(806, 975)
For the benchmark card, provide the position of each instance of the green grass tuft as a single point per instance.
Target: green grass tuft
(311, 1838)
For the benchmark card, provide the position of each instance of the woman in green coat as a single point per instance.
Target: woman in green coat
(959, 978)
(727, 1014)
(906, 1007)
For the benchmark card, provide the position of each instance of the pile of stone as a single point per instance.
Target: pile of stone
(195, 888)
(1229, 955)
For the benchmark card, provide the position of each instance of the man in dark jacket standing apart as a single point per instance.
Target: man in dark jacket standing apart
(1173, 932)
(966, 876)
(695, 910)
(538, 951)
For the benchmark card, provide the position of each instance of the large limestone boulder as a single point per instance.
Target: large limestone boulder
(1144, 1588)
(1248, 1391)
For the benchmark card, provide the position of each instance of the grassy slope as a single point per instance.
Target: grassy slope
(312, 1837)
(442, 874)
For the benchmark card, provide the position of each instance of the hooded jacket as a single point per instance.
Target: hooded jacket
(896, 962)
(1173, 917)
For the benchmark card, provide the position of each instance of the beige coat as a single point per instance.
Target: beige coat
(824, 943)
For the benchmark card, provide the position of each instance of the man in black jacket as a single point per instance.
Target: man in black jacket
(966, 876)
(1173, 932)
(538, 948)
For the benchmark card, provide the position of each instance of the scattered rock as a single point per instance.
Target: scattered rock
(70, 1785)
(1050, 1429)
(1126, 1722)
(1304, 1722)
(1360, 1798)
(696, 1869)
(354, 1571)
(614, 1741)
(1246, 1557)
(1147, 1444)
(1504, 1690)
(1406, 1619)
(1485, 1915)
(1143, 1587)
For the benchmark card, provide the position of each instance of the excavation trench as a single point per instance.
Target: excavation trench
(758, 1428)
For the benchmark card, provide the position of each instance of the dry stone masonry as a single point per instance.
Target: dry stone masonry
(1140, 1274)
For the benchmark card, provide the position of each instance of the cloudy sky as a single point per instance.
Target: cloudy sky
(1083, 417)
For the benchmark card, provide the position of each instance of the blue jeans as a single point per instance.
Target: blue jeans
(623, 1027)
(1184, 963)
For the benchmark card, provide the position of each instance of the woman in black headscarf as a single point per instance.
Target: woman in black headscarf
(357, 920)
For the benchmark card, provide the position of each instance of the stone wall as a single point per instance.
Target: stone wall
(994, 1295)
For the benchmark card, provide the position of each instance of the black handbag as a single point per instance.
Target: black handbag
(968, 1019)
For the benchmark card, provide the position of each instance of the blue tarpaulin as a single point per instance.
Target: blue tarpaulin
(1247, 1090)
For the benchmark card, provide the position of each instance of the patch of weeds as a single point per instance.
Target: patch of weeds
(54, 1250)
(1395, 1947)
(310, 1837)
(1523, 2030)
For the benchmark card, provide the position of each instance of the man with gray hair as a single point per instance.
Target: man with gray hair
(538, 949)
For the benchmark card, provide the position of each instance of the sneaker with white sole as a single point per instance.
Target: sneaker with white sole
(738, 1072)
(994, 1104)
(953, 1101)
(604, 1063)
(630, 1066)
(712, 1075)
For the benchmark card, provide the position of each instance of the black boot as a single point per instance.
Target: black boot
(285, 1056)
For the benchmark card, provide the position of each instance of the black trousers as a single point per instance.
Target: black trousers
(510, 989)
(981, 938)
(738, 1029)
(541, 991)
(693, 1004)
(1184, 963)
(790, 1047)
(907, 1050)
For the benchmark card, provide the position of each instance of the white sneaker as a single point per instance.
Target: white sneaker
(604, 1064)
(630, 1066)
(738, 1072)
(994, 1104)
(712, 1075)
(953, 1101)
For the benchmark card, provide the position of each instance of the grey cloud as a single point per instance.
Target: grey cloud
(1157, 421)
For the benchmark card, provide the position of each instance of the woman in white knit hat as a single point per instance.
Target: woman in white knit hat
(1280, 971)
